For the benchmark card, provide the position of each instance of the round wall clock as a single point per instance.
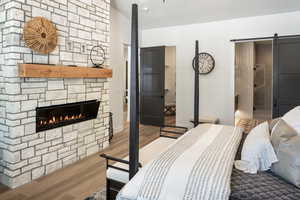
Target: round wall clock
(40, 35)
(206, 63)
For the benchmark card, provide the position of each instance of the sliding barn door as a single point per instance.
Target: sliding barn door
(286, 75)
(152, 100)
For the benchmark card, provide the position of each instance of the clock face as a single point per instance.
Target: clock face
(206, 63)
(97, 56)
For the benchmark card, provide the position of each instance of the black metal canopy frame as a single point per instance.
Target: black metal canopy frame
(134, 97)
(196, 85)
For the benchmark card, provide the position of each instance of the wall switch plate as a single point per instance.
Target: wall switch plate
(70, 45)
(83, 48)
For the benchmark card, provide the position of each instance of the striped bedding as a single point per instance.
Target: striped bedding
(197, 167)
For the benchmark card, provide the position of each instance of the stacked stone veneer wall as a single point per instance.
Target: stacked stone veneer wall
(24, 154)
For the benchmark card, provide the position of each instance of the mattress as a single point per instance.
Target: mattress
(146, 154)
(261, 186)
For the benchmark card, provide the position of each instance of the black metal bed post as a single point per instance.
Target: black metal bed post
(134, 97)
(196, 92)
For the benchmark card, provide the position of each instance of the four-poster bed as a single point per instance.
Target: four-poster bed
(198, 165)
(124, 169)
(132, 164)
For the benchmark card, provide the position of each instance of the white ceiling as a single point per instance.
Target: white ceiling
(179, 12)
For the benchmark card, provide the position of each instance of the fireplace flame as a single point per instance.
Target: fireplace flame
(58, 119)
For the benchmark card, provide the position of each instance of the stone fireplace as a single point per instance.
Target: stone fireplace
(31, 144)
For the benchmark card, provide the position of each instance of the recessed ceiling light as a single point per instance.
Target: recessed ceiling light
(146, 9)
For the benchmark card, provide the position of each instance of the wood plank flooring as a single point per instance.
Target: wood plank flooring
(81, 179)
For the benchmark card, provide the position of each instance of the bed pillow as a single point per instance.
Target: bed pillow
(257, 152)
(288, 166)
(272, 123)
(281, 133)
(293, 118)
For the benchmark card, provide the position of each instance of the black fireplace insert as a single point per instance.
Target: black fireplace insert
(61, 115)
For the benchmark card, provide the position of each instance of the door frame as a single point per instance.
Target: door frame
(272, 89)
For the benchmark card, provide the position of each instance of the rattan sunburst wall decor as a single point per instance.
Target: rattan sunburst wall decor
(40, 35)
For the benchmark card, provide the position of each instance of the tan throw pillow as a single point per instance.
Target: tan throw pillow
(293, 118)
(288, 166)
(281, 133)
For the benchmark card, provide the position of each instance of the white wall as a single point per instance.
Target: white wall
(120, 36)
(217, 88)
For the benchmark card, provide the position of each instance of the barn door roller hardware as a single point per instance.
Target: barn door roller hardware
(266, 38)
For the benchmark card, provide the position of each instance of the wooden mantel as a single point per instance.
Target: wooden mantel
(60, 71)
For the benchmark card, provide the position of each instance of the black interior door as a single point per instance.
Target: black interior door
(152, 100)
(286, 75)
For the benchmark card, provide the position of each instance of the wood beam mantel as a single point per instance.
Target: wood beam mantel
(60, 71)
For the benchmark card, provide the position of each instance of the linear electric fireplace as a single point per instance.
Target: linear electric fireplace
(61, 115)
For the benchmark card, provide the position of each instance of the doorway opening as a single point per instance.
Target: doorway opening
(170, 82)
(253, 80)
(126, 55)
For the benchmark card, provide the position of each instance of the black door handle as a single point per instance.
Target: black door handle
(275, 103)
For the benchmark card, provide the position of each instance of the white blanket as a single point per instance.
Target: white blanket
(197, 167)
